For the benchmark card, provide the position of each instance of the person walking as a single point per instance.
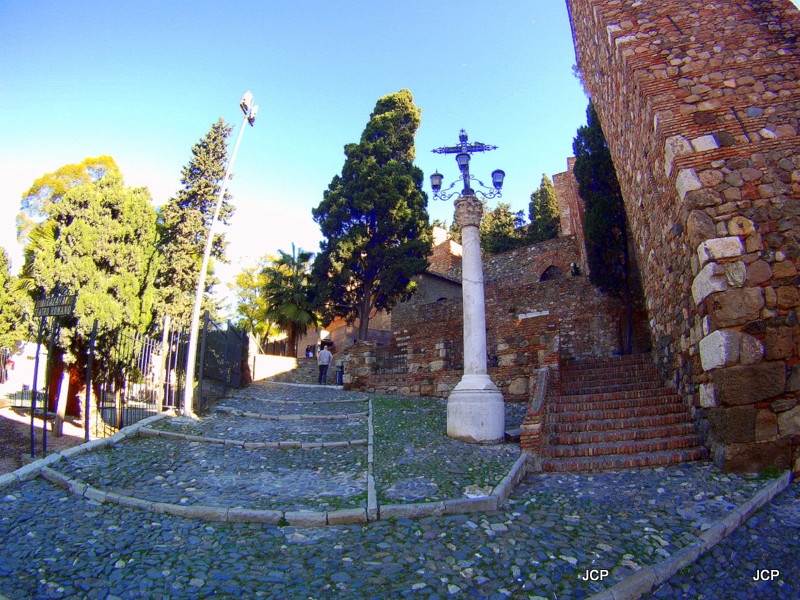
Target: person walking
(324, 359)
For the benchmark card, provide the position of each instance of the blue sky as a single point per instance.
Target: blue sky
(143, 81)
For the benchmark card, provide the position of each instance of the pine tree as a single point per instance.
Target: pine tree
(100, 244)
(184, 224)
(374, 219)
(501, 230)
(543, 213)
(13, 318)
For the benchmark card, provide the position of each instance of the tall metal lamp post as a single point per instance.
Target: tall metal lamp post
(475, 407)
(250, 111)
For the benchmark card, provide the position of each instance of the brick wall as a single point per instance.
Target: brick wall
(529, 323)
(700, 105)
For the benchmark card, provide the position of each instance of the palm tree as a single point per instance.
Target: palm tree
(288, 294)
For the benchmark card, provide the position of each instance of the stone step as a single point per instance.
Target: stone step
(622, 413)
(595, 464)
(604, 436)
(623, 448)
(642, 372)
(608, 362)
(588, 401)
(305, 372)
(621, 385)
(630, 423)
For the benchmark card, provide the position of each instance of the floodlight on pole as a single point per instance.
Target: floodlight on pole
(250, 111)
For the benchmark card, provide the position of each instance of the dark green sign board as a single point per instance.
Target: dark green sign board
(55, 306)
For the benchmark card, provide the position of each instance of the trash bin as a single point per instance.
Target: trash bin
(340, 374)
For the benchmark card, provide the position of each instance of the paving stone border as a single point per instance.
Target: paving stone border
(372, 512)
(298, 417)
(174, 435)
(649, 578)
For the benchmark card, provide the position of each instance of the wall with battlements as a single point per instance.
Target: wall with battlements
(700, 104)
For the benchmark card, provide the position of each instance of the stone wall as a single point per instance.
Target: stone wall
(700, 105)
(571, 208)
(529, 323)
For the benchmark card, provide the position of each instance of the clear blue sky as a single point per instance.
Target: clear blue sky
(143, 81)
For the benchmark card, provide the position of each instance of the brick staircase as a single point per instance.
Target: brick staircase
(615, 413)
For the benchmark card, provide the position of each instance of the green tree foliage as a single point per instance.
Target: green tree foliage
(288, 294)
(13, 318)
(604, 220)
(100, 244)
(103, 247)
(184, 223)
(374, 219)
(543, 213)
(50, 188)
(501, 230)
(251, 305)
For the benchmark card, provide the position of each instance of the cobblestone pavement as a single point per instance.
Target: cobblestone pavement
(551, 533)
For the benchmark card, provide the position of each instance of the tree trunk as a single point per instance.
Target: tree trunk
(363, 317)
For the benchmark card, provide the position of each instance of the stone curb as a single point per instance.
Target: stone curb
(34, 469)
(295, 417)
(174, 435)
(349, 516)
(648, 578)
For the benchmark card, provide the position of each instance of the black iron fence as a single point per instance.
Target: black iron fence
(390, 360)
(223, 351)
(140, 377)
(135, 376)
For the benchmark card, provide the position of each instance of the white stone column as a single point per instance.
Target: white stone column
(475, 408)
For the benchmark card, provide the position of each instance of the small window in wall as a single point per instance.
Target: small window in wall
(551, 272)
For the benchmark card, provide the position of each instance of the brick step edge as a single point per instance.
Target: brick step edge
(609, 361)
(601, 415)
(629, 448)
(606, 374)
(675, 418)
(621, 435)
(561, 404)
(587, 388)
(595, 464)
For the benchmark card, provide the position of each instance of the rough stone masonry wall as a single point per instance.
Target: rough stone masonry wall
(529, 324)
(699, 102)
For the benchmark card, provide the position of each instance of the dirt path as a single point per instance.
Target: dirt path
(15, 438)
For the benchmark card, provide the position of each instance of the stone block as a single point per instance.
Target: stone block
(736, 307)
(719, 349)
(305, 518)
(758, 272)
(252, 515)
(789, 422)
(741, 226)
(736, 273)
(705, 142)
(699, 227)
(735, 425)
(787, 296)
(709, 280)
(518, 387)
(749, 384)
(779, 342)
(350, 516)
(687, 181)
(708, 395)
(784, 268)
(719, 248)
(793, 382)
(766, 425)
(675, 146)
(751, 350)
(756, 456)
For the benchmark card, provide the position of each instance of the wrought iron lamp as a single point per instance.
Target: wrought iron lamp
(462, 152)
